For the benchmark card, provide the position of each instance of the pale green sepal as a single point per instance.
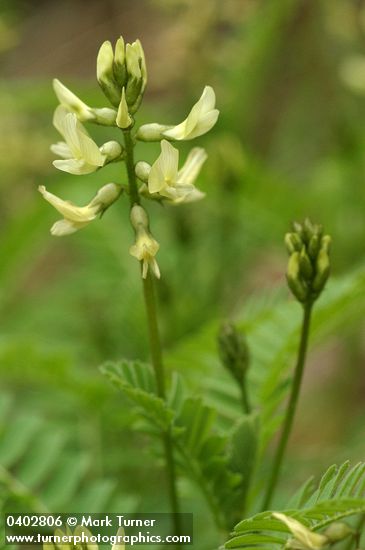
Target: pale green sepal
(143, 170)
(112, 150)
(105, 116)
(152, 132)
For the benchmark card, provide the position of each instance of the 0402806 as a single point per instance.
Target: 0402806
(24, 520)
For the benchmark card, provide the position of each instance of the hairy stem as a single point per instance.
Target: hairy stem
(291, 408)
(154, 340)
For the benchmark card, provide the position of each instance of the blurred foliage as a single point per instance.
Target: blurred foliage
(290, 143)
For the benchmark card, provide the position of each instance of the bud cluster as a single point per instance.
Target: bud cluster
(122, 72)
(309, 263)
(233, 351)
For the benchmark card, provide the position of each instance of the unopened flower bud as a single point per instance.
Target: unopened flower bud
(112, 150)
(106, 196)
(308, 230)
(233, 351)
(306, 268)
(152, 132)
(322, 270)
(338, 531)
(105, 73)
(139, 217)
(326, 243)
(298, 228)
(120, 69)
(143, 170)
(135, 81)
(293, 242)
(313, 247)
(293, 277)
(124, 120)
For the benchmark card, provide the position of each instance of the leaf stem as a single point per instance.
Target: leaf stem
(292, 404)
(154, 341)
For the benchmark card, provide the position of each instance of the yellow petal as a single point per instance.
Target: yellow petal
(192, 166)
(165, 169)
(309, 539)
(73, 166)
(78, 214)
(69, 100)
(200, 120)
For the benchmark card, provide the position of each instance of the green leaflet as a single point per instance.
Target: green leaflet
(136, 381)
(338, 495)
(42, 471)
(220, 465)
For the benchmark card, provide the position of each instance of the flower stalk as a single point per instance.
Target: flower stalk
(154, 339)
(291, 408)
(307, 274)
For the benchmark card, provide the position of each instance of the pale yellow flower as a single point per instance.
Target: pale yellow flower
(304, 538)
(83, 112)
(145, 247)
(79, 152)
(167, 180)
(76, 217)
(200, 120)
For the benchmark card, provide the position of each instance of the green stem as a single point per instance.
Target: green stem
(156, 356)
(292, 404)
(129, 160)
(154, 340)
(244, 396)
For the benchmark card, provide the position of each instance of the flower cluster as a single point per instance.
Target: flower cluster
(122, 75)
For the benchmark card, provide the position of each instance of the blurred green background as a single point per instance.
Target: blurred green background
(290, 82)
